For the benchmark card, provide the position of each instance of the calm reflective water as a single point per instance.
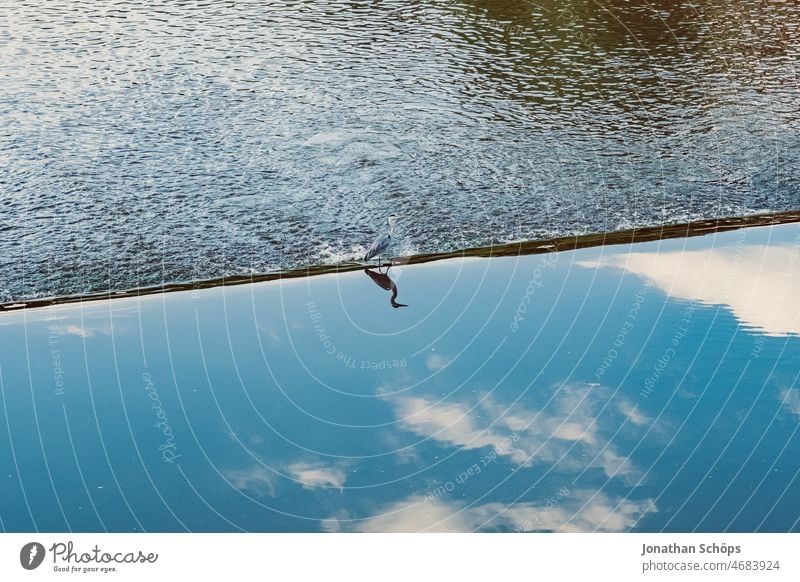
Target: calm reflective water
(630, 388)
(143, 142)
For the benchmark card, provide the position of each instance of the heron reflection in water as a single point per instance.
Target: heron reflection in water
(383, 281)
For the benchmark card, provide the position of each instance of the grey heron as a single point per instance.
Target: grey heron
(384, 281)
(382, 243)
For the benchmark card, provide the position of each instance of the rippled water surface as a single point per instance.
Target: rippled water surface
(143, 142)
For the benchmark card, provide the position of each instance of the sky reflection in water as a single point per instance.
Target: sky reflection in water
(645, 388)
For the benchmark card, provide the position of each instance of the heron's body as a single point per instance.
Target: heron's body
(379, 247)
(382, 243)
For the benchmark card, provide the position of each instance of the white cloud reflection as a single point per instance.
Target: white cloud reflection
(571, 431)
(82, 331)
(757, 283)
(790, 399)
(633, 414)
(256, 480)
(311, 475)
(262, 481)
(579, 511)
(437, 362)
(567, 431)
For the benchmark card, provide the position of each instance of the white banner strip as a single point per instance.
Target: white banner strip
(400, 557)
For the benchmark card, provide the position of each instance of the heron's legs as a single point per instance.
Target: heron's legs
(389, 266)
